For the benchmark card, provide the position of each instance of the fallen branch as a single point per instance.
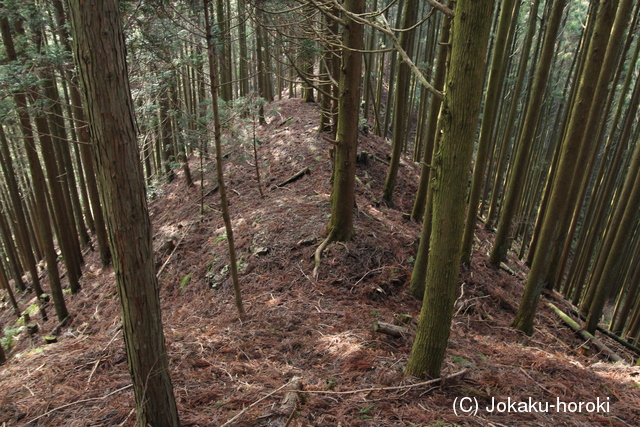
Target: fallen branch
(215, 188)
(77, 402)
(390, 329)
(586, 335)
(285, 121)
(283, 416)
(294, 177)
(380, 160)
(399, 387)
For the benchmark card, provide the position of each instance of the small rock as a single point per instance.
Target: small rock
(308, 241)
(260, 251)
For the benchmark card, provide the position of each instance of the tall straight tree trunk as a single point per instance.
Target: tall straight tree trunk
(514, 187)
(343, 194)
(558, 207)
(489, 114)
(459, 119)
(39, 188)
(99, 49)
(10, 251)
(260, 63)
(419, 204)
(243, 58)
(20, 219)
(586, 156)
(233, 265)
(402, 94)
(392, 75)
(615, 241)
(510, 121)
(85, 147)
(224, 36)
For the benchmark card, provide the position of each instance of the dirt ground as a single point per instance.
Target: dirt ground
(315, 333)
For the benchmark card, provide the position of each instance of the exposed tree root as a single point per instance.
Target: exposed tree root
(318, 254)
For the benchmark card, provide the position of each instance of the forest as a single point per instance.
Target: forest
(319, 213)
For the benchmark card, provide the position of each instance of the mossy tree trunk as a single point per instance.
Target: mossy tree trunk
(514, 187)
(458, 121)
(559, 199)
(489, 114)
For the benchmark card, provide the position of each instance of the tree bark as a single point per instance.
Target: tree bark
(558, 200)
(99, 49)
(458, 121)
(343, 195)
(514, 187)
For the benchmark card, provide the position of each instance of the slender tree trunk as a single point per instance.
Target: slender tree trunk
(558, 201)
(233, 265)
(343, 195)
(419, 204)
(402, 93)
(39, 188)
(494, 89)
(514, 186)
(615, 241)
(20, 219)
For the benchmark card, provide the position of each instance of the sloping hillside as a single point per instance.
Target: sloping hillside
(299, 330)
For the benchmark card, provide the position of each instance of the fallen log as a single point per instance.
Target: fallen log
(610, 334)
(390, 329)
(294, 177)
(586, 335)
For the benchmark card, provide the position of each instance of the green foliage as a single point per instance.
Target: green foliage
(220, 238)
(365, 413)
(185, 281)
(9, 334)
(154, 190)
(462, 361)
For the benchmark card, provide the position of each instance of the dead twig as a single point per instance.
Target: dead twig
(77, 402)
(400, 387)
(239, 414)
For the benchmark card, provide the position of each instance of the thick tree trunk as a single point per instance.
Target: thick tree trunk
(459, 119)
(100, 57)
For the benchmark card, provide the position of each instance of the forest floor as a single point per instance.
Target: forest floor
(299, 330)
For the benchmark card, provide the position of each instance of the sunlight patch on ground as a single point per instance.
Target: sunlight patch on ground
(341, 344)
